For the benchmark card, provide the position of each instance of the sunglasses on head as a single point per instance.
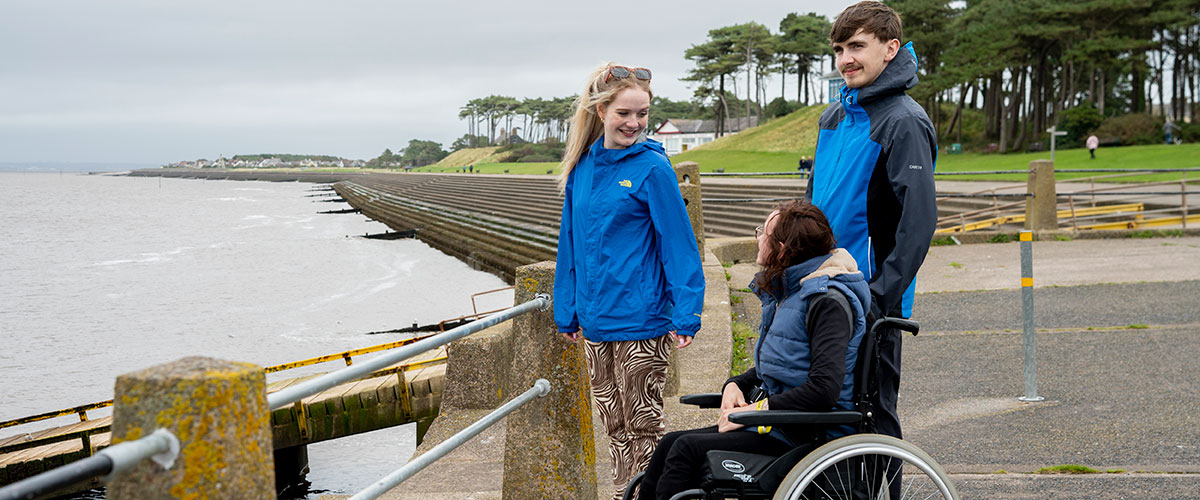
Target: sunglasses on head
(622, 72)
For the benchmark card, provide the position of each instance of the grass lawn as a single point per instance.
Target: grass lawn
(1156, 156)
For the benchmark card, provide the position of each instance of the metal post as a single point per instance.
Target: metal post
(539, 389)
(1183, 197)
(1031, 394)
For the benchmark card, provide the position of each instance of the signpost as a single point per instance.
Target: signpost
(1054, 132)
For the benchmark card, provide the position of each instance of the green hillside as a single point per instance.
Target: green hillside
(794, 133)
(469, 156)
(771, 147)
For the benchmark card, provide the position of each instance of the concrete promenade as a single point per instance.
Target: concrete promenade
(1117, 321)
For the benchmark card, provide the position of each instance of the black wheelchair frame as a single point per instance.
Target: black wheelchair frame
(804, 471)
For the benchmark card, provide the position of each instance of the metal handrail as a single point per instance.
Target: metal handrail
(746, 200)
(540, 388)
(345, 355)
(81, 410)
(313, 386)
(739, 174)
(160, 446)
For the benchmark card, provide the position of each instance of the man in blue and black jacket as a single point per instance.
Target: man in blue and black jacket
(873, 174)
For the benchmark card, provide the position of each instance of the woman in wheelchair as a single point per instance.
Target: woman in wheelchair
(813, 299)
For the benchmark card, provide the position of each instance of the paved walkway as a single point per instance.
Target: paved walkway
(1118, 323)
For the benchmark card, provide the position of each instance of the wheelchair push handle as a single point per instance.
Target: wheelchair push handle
(898, 323)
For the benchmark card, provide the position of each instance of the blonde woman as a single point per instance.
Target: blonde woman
(628, 279)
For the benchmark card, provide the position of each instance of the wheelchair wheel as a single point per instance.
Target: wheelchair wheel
(854, 467)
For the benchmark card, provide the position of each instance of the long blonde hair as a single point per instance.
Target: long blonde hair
(585, 125)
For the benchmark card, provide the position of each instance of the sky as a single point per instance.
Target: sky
(153, 82)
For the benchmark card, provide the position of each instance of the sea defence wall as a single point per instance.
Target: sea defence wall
(493, 223)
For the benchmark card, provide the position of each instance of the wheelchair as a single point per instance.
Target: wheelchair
(861, 465)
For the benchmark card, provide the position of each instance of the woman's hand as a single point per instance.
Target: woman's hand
(723, 423)
(732, 397)
(681, 341)
(732, 400)
(573, 336)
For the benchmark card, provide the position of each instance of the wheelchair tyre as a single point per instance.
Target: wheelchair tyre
(845, 465)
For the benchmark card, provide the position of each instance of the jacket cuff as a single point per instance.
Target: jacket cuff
(568, 329)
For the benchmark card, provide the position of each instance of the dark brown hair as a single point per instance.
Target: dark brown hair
(804, 232)
(872, 17)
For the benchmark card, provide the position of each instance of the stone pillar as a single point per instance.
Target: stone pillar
(549, 449)
(218, 410)
(1041, 210)
(688, 174)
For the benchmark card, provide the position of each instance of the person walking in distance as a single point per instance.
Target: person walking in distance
(628, 278)
(1092, 143)
(873, 175)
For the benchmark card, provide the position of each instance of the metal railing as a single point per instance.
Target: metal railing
(1070, 215)
(163, 447)
(540, 388)
(85, 435)
(314, 386)
(748, 174)
(160, 446)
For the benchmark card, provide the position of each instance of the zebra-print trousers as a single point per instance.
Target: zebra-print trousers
(627, 379)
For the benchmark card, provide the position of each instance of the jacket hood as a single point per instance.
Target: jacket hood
(600, 154)
(839, 262)
(834, 264)
(898, 76)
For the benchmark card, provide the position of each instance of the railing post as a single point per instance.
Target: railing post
(549, 448)
(218, 410)
(1041, 211)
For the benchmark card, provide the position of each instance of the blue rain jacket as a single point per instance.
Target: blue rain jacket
(628, 267)
(873, 178)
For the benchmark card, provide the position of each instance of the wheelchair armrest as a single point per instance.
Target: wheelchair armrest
(897, 323)
(784, 417)
(709, 400)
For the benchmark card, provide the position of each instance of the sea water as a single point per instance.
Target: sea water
(102, 275)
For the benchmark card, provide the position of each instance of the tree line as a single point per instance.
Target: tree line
(751, 51)
(1008, 68)
(1025, 64)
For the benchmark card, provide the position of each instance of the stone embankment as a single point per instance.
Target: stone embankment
(498, 222)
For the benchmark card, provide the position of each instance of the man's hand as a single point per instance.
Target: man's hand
(681, 341)
(573, 336)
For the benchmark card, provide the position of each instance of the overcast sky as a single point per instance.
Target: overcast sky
(156, 82)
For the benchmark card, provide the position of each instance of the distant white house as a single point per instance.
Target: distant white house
(679, 135)
(833, 84)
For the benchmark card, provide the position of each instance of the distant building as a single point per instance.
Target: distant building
(679, 135)
(833, 83)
